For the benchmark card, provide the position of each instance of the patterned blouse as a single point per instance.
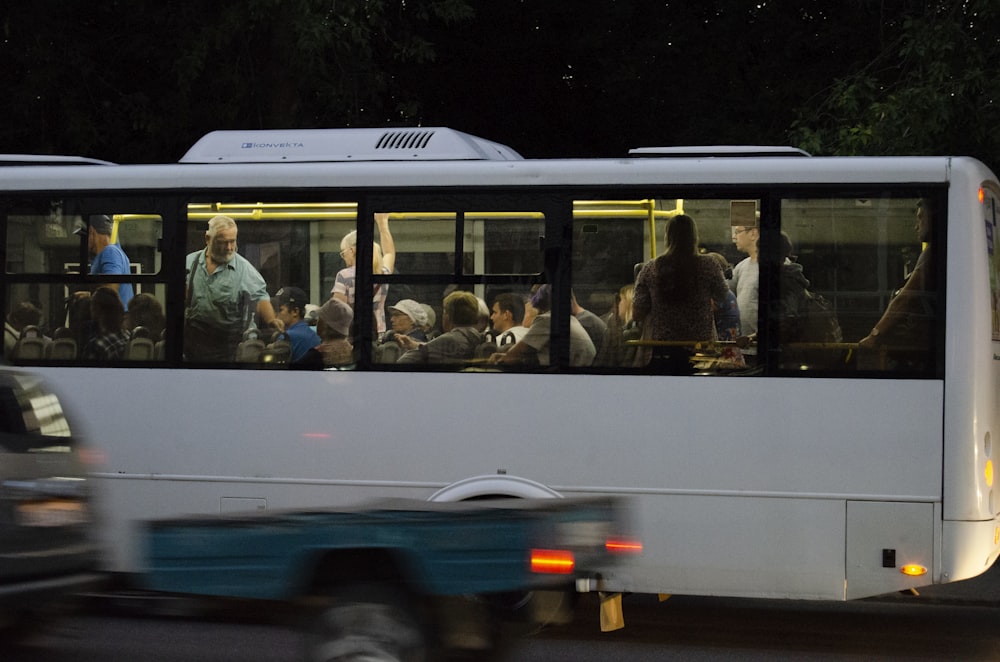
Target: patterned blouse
(690, 319)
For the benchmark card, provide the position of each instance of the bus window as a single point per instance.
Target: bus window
(267, 246)
(613, 239)
(850, 266)
(485, 254)
(118, 247)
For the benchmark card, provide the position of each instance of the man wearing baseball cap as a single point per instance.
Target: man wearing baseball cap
(107, 258)
(292, 302)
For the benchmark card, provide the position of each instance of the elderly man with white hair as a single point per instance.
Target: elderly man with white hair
(224, 291)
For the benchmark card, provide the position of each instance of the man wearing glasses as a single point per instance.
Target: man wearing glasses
(746, 279)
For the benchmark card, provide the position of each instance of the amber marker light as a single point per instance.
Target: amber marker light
(552, 561)
(623, 546)
(913, 570)
(982, 195)
(988, 473)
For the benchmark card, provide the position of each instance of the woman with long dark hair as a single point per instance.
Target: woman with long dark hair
(676, 290)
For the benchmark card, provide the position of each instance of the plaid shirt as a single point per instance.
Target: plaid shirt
(107, 347)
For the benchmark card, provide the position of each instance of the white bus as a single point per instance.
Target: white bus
(808, 467)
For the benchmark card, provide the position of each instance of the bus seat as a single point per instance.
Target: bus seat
(62, 348)
(249, 350)
(30, 346)
(485, 350)
(388, 352)
(140, 349)
(279, 351)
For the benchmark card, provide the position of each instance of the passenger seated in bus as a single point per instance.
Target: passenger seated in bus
(675, 292)
(534, 346)
(78, 319)
(383, 262)
(407, 318)
(907, 322)
(24, 314)
(592, 324)
(146, 310)
(292, 302)
(224, 292)
(621, 327)
(507, 319)
(333, 324)
(458, 340)
(430, 329)
(483, 321)
(110, 341)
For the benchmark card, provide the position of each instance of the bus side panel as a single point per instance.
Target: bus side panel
(972, 403)
(738, 546)
(882, 539)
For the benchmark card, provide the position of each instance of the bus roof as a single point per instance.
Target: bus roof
(321, 145)
(47, 159)
(705, 151)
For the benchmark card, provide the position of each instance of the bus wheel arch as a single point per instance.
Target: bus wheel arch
(549, 606)
(495, 486)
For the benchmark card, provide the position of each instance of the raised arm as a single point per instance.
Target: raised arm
(386, 242)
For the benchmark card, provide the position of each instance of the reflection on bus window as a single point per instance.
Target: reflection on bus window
(857, 288)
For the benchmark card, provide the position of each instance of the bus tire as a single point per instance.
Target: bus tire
(367, 623)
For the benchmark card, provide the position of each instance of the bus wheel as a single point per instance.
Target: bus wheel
(367, 623)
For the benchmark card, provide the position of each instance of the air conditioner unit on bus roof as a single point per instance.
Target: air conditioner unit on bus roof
(319, 145)
(708, 151)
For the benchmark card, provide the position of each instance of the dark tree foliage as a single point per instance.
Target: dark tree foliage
(141, 80)
(595, 78)
(934, 88)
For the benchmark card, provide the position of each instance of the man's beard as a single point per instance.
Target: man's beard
(223, 257)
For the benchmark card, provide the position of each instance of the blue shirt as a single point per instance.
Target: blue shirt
(727, 318)
(302, 337)
(113, 260)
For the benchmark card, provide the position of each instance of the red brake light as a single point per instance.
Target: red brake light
(623, 546)
(552, 561)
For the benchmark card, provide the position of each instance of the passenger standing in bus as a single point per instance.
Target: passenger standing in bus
(676, 291)
(746, 280)
(107, 258)
(460, 337)
(383, 262)
(292, 302)
(908, 319)
(224, 291)
(727, 309)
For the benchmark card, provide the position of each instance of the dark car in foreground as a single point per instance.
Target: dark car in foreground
(47, 550)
